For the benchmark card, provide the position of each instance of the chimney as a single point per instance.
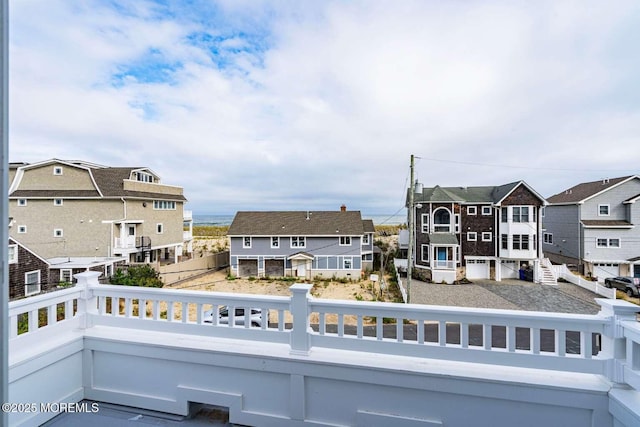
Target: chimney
(343, 208)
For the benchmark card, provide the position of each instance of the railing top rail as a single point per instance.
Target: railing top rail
(117, 291)
(43, 300)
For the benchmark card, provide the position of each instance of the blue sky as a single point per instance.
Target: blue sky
(312, 104)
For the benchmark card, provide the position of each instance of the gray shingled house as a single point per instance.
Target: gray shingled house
(594, 226)
(488, 232)
(303, 244)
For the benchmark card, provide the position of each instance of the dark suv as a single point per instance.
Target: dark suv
(630, 285)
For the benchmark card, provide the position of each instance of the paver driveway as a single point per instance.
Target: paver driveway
(508, 294)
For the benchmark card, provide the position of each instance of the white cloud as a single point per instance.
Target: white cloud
(256, 105)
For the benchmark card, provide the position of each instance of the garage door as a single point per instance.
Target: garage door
(274, 267)
(477, 269)
(606, 270)
(248, 268)
(509, 270)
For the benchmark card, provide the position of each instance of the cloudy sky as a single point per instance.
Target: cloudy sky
(312, 104)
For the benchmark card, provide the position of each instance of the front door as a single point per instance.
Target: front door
(441, 257)
(636, 270)
(302, 268)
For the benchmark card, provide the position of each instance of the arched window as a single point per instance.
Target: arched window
(442, 220)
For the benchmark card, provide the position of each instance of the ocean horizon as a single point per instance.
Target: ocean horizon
(222, 220)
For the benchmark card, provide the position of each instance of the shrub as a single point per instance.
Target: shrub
(137, 275)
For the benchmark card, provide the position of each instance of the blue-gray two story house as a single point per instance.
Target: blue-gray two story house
(594, 226)
(303, 244)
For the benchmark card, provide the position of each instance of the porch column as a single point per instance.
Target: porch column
(300, 342)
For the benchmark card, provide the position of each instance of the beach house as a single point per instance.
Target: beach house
(483, 232)
(63, 208)
(303, 244)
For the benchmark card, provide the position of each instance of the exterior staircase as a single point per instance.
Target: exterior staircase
(547, 276)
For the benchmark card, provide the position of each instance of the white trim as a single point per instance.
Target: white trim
(487, 209)
(159, 228)
(277, 240)
(472, 236)
(55, 202)
(22, 202)
(58, 170)
(344, 241)
(22, 229)
(487, 239)
(58, 232)
(608, 206)
(474, 212)
(246, 245)
(26, 285)
(301, 242)
(13, 259)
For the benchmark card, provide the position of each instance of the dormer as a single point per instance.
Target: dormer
(144, 175)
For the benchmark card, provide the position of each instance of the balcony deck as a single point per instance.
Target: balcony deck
(531, 368)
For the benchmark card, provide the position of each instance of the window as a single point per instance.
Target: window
(516, 241)
(275, 242)
(607, 243)
(472, 210)
(425, 223)
(472, 236)
(487, 236)
(486, 210)
(542, 212)
(442, 221)
(297, 242)
(22, 229)
(164, 205)
(22, 202)
(547, 238)
(365, 239)
(524, 242)
(57, 170)
(57, 232)
(504, 214)
(32, 282)
(57, 202)
(348, 264)
(504, 241)
(246, 242)
(143, 177)
(603, 210)
(456, 218)
(425, 253)
(159, 228)
(65, 275)
(13, 254)
(345, 240)
(520, 214)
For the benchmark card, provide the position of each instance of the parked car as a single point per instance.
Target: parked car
(630, 285)
(223, 316)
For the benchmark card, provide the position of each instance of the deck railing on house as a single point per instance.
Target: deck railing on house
(607, 343)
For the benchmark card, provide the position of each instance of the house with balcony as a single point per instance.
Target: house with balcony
(68, 208)
(594, 226)
(487, 232)
(303, 244)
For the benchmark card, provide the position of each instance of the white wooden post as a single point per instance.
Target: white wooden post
(300, 342)
(614, 345)
(87, 303)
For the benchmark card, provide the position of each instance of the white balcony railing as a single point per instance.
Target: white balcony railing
(187, 215)
(450, 333)
(125, 243)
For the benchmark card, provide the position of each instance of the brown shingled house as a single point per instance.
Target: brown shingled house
(594, 225)
(79, 209)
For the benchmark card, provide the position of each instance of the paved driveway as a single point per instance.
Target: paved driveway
(507, 294)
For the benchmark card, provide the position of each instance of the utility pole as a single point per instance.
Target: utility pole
(411, 221)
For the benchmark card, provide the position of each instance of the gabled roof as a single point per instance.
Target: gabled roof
(297, 223)
(479, 194)
(368, 226)
(582, 192)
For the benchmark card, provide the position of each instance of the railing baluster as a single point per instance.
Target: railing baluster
(586, 345)
(142, 308)
(420, 331)
(156, 309)
(169, 311)
(535, 340)
(561, 342)
(487, 337)
(322, 327)
(442, 333)
(360, 332)
(68, 309)
(52, 314)
(33, 320)
(379, 328)
(399, 329)
(13, 327)
(464, 335)
(340, 324)
(281, 320)
(185, 312)
(511, 339)
(128, 307)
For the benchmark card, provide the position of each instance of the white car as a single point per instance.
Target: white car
(223, 316)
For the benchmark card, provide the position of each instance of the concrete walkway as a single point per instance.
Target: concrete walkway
(507, 294)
